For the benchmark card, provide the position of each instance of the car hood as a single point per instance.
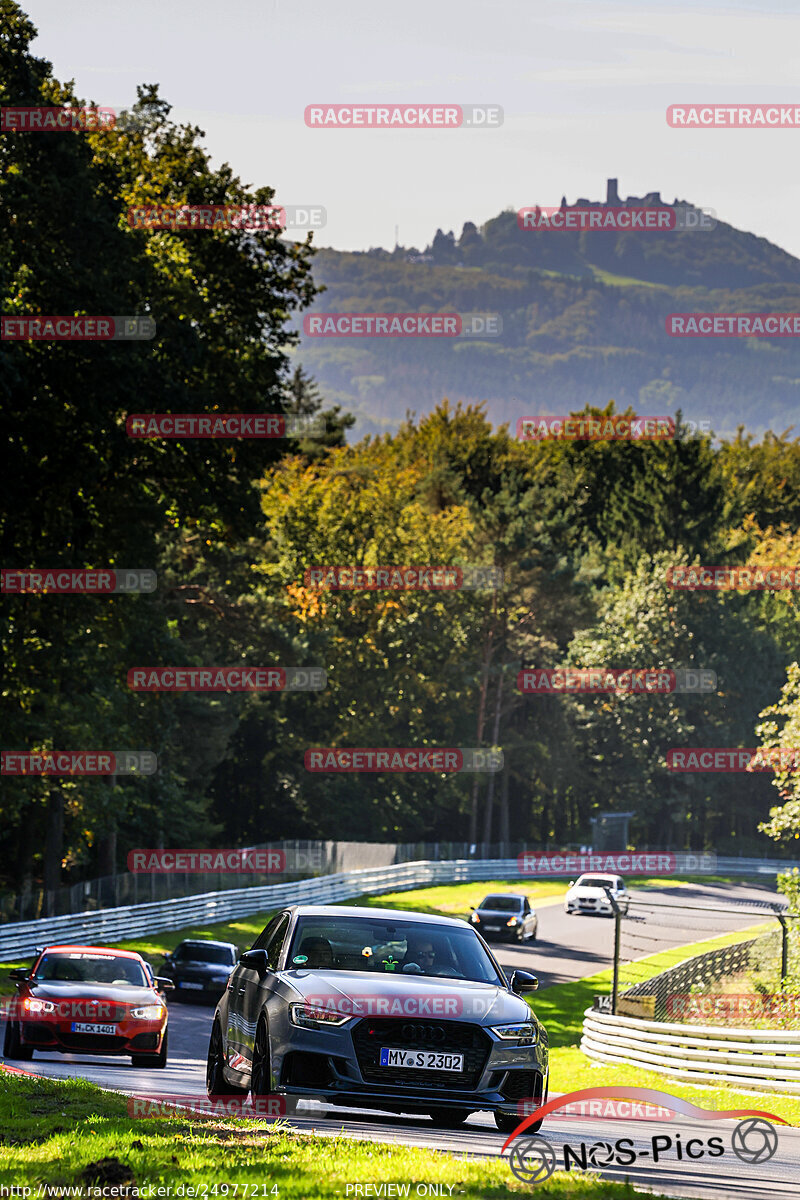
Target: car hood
(388, 995)
(55, 990)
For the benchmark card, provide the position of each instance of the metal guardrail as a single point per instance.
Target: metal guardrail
(129, 922)
(764, 1060)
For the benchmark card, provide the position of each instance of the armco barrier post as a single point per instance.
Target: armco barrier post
(784, 948)
(617, 918)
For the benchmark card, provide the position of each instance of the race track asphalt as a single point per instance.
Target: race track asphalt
(567, 948)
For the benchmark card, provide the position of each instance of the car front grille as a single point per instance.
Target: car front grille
(447, 1037)
(92, 1041)
(523, 1085)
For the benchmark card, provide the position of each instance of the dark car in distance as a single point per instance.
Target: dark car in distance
(404, 1012)
(505, 917)
(200, 968)
(87, 1000)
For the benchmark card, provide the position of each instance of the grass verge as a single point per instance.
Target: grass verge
(72, 1133)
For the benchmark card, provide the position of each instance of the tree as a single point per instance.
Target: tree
(780, 730)
(82, 493)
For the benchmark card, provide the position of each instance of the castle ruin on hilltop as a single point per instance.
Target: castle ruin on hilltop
(612, 200)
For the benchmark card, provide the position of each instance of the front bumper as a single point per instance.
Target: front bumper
(589, 907)
(201, 989)
(132, 1036)
(333, 1066)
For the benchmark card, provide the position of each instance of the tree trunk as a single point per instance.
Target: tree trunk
(487, 658)
(487, 825)
(53, 849)
(505, 832)
(107, 853)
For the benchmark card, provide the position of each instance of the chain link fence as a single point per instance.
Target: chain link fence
(725, 963)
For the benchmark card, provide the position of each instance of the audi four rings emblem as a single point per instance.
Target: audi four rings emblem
(423, 1033)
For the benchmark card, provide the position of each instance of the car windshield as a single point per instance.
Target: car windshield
(197, 952)
(502, 903)
(596, 881)
(83, 967)
(400, 947)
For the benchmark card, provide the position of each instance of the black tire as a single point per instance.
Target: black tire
(449, 1118)
(216, 1083)
(508, 1122)
(11, 1045)
(261, 1071)
(153, 1061)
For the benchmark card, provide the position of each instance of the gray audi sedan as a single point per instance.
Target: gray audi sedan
(380, 1009)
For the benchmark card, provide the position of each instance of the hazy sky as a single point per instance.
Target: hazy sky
(584, 86)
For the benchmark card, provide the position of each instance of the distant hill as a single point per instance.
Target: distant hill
(583, 321)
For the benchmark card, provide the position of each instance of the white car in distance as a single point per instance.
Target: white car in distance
(587, 894)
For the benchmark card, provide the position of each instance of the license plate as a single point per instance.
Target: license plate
(198, 987)
(422, 1060)
(492, 928)
(82, 1027)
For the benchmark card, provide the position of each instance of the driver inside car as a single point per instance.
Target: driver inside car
(420, 954)
(318, 951)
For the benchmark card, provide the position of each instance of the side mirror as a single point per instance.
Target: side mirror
(19, 973)
(164, 985)
(571, 883)
(472, 908)
(523, 981)
(255, 960)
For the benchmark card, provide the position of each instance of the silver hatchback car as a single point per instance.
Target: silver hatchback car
(399, 1011)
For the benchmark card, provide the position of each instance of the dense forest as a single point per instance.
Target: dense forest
(583, 532)
(583, 319)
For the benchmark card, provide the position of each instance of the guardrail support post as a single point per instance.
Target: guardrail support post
(617, 918)
(784, 948)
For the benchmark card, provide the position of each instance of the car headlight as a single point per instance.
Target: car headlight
(475, 918)
(512, 921)
(148, 1012)
(307, 1016)
(523, 1032)
(38, 1006)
